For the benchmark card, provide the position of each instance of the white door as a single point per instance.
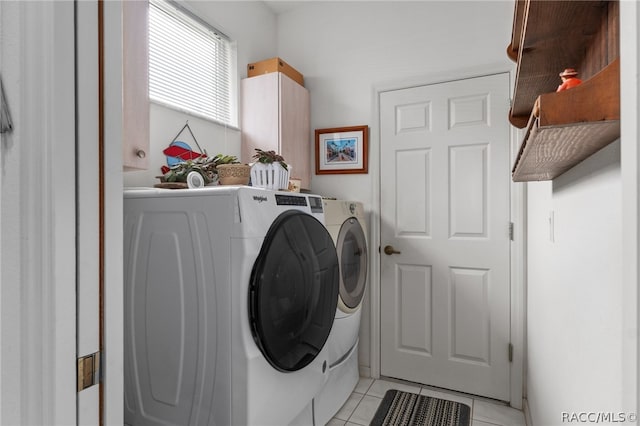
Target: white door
(38, 215)
(445, 213)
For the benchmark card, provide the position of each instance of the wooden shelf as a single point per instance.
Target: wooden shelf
(569, 126)
(564, 128)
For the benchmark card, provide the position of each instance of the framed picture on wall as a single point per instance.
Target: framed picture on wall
(342, 150)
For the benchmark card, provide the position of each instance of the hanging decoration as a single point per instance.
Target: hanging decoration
(179, 150)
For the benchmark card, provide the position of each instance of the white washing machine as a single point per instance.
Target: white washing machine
(230, 295)
(345, 221)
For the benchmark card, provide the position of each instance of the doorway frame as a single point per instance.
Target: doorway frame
(517, 195)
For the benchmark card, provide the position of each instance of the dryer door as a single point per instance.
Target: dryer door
(352, 253)
(293, 291)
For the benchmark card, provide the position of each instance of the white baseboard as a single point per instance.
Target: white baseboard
(527, 413)
(364, 371)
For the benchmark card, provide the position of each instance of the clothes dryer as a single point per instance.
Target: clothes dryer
(345, 221)
(230, 295)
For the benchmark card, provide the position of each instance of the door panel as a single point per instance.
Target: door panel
(413, 202)
(445, 211)
(470, 315)
(468, 191)
(293, 291)
(351, 248)
(414, 320)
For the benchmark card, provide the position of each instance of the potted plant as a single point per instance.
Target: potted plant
(270, 170)
(269, 157)
(207, 167)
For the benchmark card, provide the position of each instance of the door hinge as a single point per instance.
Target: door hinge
(511, 231)
(510, 352)
(89, 370)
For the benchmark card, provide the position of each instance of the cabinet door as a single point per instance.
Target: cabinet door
(135, 85)
(295, 139)
(259, 118)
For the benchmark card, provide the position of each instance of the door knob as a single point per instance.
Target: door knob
(389, 250)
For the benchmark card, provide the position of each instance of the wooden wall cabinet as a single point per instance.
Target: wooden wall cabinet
(564, 128)
(135, 85)
(276, 116)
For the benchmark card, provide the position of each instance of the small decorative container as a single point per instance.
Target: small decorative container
(234, 174)
(270, 175)
(294, 184)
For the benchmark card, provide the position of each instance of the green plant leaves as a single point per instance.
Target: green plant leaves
(206, 166)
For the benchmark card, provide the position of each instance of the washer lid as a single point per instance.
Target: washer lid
(293, 291)
(352, 253)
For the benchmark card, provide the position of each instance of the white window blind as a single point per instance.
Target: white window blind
(189, 63)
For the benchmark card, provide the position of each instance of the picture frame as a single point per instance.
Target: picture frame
(342, 150)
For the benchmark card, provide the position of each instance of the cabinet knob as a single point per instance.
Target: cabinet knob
(140, 153)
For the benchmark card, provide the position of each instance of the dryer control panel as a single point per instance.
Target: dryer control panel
(316, 204)
(300, 200)
(290, 200)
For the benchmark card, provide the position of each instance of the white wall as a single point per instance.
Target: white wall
(575, 290)
(583, 286)
(252, 27)
(165, 125)
(345, 50)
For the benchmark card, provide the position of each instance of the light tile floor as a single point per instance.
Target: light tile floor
(363, 403)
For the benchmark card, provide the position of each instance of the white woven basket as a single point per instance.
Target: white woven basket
(270, 176)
